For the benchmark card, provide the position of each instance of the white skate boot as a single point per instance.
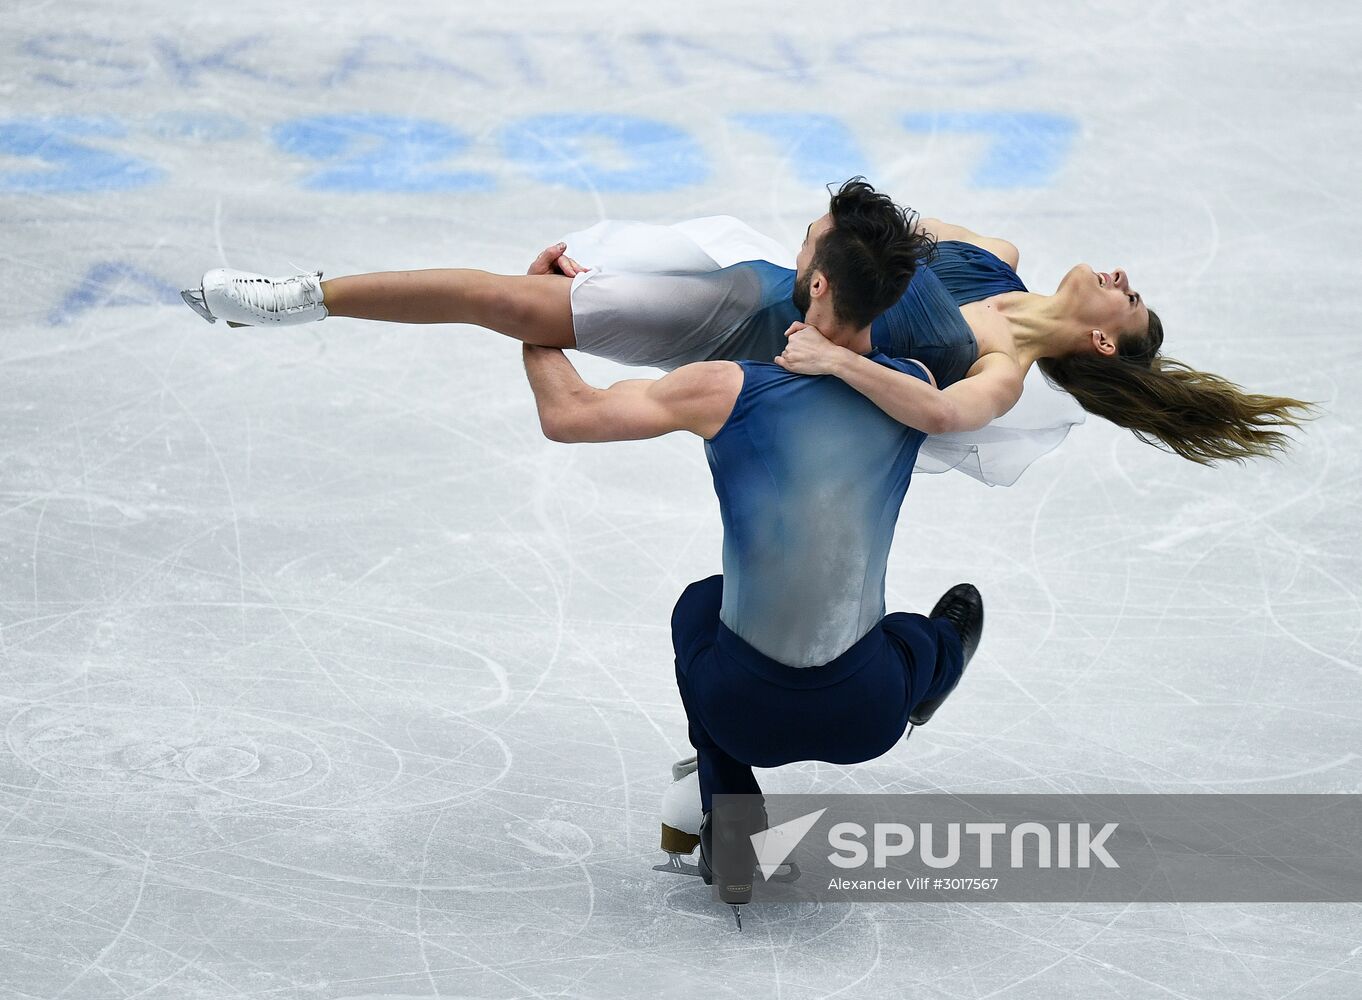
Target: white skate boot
(244, 299)
(681, 810)
(681, 820)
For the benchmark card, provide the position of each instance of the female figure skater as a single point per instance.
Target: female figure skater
(713, 289)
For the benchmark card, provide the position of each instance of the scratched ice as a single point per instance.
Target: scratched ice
(324, 675)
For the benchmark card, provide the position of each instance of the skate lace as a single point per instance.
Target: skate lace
(302, 291)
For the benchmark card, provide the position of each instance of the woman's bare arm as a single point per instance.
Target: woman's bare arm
(992, 387)
(1000, 248)
(968, 405)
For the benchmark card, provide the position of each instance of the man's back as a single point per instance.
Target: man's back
(810, 476)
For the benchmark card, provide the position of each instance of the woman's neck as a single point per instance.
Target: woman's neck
(1040, 326)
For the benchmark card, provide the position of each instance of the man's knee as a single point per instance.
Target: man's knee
(701, 599)
(695, 621)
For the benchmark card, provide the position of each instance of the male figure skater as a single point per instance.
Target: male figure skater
(789, 655)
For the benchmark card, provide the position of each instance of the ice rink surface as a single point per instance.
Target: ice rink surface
(326, 676)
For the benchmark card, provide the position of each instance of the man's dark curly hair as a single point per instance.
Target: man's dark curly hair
(870, 253)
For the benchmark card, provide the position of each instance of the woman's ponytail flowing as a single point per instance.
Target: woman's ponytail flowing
(1198, 415)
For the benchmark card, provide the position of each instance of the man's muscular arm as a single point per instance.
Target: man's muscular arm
(696, 398)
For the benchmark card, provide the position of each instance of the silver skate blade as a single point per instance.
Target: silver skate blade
(737, 915)
(193, 298)
(676, 866)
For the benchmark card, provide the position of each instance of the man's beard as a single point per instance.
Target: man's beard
(800, 296)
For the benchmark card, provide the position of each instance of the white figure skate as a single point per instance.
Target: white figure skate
(241, 298)
(681, 811)
(681, 818)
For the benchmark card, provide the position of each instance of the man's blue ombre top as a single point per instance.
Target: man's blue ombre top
(925, 323)
(810, 476)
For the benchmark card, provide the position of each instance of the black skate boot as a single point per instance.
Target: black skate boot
(739, 858)
(963, 607)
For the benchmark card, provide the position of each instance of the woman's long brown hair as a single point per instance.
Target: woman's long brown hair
(1198, 415)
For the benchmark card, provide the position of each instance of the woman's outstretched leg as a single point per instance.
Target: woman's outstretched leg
(534, 308)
